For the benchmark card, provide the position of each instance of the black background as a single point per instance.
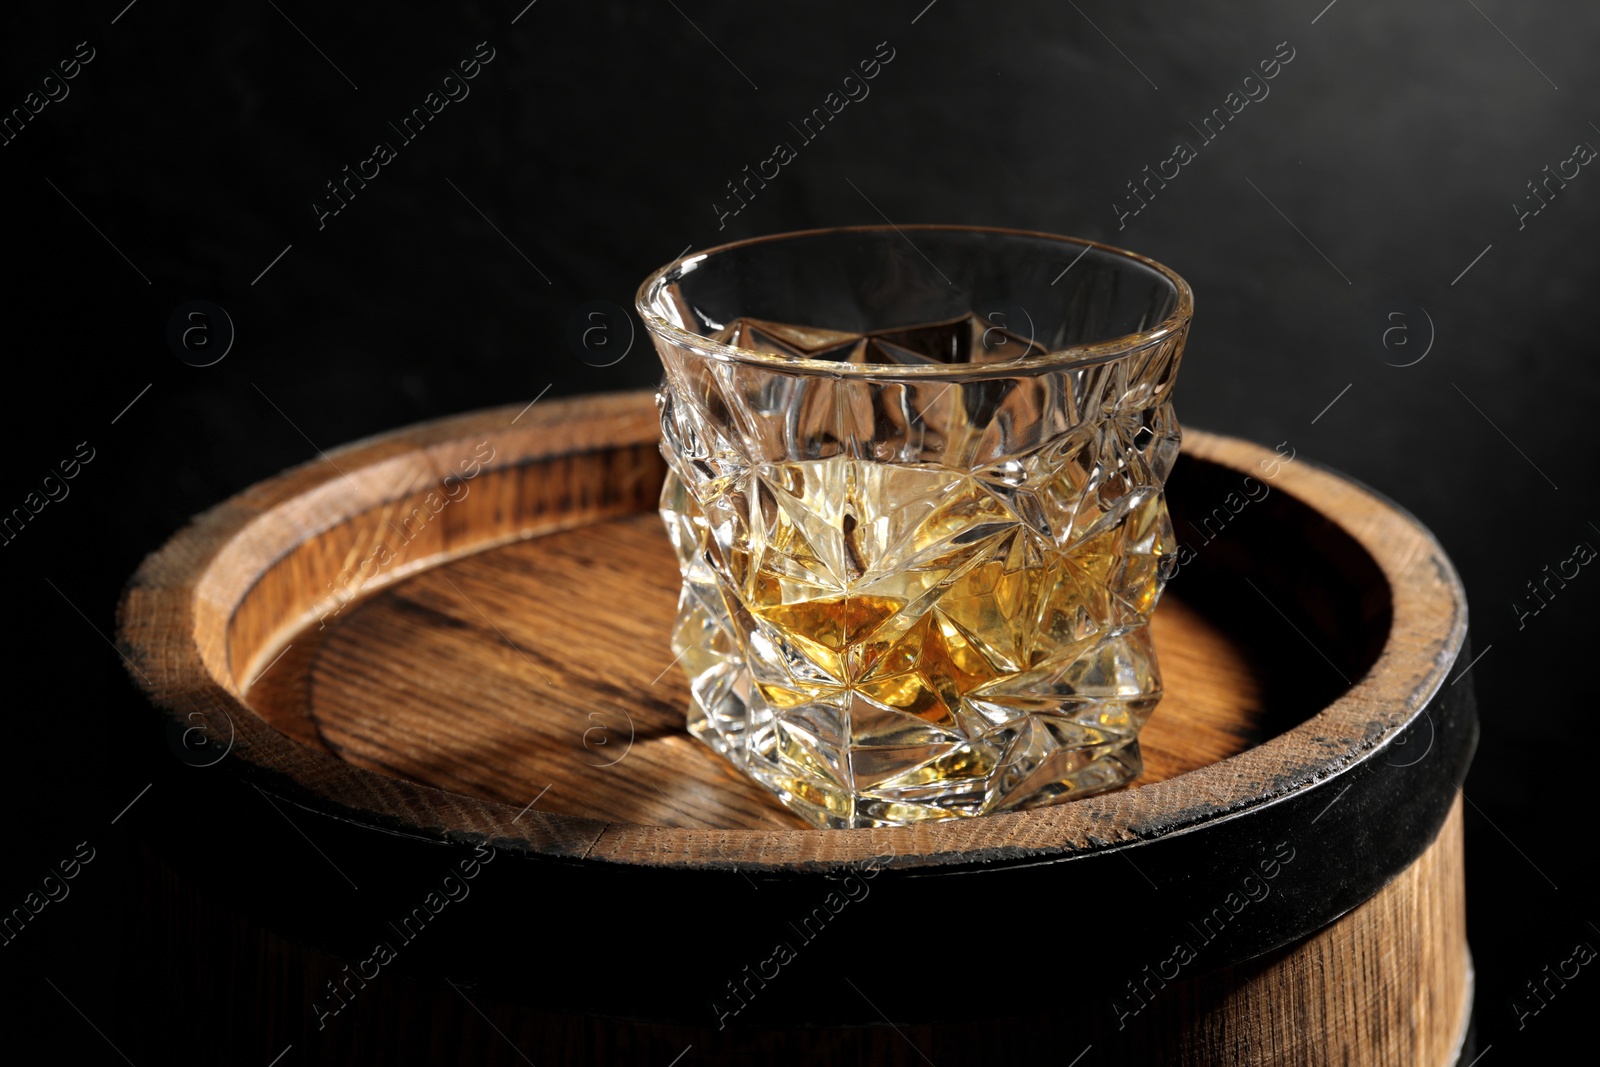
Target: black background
(593, 148)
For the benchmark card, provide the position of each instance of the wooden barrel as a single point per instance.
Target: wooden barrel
(441, 658)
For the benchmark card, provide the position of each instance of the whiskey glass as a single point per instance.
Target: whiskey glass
(916, 493)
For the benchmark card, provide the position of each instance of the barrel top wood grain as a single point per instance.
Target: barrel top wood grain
(488, 676)
(459, 631)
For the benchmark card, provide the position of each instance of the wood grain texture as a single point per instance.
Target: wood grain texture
(458, 633)
(235, 615)
(1388, 983)
(496, 676)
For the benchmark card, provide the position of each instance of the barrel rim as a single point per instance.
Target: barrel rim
(182, 667)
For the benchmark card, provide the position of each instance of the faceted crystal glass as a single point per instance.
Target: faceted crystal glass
(916, 493)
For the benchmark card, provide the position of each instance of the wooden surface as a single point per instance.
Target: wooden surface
(455, 636)
(405, 712)
(1388, 983)
(486, 676)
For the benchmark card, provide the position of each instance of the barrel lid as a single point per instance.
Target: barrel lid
(1317, 723)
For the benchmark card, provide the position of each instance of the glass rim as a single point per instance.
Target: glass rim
(1071, 356)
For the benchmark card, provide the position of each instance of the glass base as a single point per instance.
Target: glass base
(902, 716)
